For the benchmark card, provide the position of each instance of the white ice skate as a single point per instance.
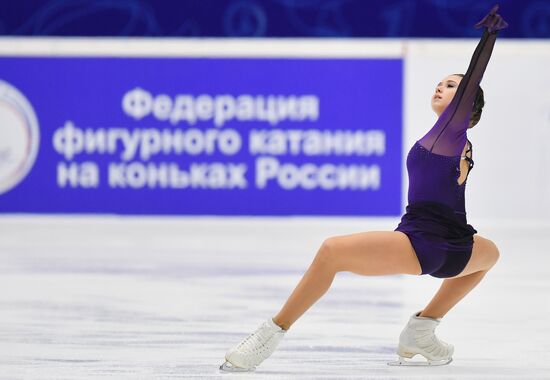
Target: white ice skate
(254, 349)
(418, 338)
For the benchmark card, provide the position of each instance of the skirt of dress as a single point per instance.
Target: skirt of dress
(441, 238)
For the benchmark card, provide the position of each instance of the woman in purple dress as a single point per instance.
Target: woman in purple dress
(433, 236)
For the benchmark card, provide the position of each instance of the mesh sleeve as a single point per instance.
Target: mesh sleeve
(448, 135)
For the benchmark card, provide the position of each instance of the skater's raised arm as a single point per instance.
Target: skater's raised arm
(448, 135)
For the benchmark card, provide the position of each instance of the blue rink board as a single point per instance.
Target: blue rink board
(352, 95)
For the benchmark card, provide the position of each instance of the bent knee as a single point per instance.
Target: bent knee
(327, 250)
(494, 253)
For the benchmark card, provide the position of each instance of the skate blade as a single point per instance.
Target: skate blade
(228, 367)
(427, 363)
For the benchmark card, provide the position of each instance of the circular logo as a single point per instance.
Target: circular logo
(245, 19)
(19, 137)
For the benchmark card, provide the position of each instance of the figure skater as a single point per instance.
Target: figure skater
(433, 236)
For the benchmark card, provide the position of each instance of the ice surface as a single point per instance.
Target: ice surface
(161, 298)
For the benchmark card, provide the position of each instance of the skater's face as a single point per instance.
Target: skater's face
(444, 92)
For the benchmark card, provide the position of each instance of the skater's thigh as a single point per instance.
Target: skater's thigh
(484, 255)
(372, 253)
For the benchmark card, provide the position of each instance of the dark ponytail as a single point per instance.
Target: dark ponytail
(479, 102)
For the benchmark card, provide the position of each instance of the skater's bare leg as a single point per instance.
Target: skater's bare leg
(368, 253)
(484, 256)
(450, 293)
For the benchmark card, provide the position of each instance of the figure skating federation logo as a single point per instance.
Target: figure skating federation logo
(19, 136)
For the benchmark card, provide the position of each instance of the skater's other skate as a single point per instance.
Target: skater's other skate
(253, 349)
(418, 337)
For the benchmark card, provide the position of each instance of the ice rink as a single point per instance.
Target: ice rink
(160, 298)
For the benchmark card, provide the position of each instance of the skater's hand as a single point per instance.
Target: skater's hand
(493, 21)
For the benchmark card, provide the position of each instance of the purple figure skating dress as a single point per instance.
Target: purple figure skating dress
(435, 218)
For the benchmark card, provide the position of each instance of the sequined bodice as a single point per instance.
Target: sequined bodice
(434, 177)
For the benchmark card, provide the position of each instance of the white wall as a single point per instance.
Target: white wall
(510, 181)
(511, 175)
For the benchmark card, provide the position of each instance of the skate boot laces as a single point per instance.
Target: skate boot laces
(431, 344)
(257, 346)
(255, 343)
